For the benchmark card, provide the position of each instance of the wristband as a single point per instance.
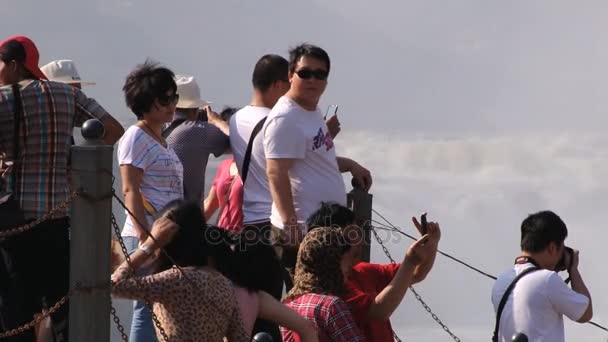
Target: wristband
(146, 249)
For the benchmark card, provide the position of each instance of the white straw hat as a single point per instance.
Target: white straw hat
(63, 71)
(189, 92)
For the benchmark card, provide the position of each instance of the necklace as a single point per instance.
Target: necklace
(156, 136)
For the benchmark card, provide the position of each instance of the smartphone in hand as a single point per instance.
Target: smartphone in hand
(331, 110)
(423, 224)
(202, 114)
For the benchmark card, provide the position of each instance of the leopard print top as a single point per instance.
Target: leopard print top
(199, 306)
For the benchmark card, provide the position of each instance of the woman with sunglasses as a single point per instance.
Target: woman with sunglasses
(151, 172)
(321, 268)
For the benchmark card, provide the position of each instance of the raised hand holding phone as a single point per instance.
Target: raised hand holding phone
(333, 124)
(424, 229)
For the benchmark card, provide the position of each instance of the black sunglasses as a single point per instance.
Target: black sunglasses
(306, 74)
(166, 100)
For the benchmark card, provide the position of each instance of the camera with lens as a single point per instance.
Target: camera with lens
(565, 261)
(202, 114)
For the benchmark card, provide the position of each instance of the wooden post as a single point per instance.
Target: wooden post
(360, 202)
(91, 236)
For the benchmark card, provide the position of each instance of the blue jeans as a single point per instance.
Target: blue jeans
(142, 327)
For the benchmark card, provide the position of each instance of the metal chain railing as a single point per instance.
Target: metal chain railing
(51, 214)
(46, 313)
(418, 297)
(116, 320)
(38, 319)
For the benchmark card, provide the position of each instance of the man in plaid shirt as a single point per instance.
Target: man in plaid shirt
(50, 110)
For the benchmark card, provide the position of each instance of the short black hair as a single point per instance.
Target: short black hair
(228, 112)
(268, 70)
(307, 50)
(14, 51)
(145, 84)
(247, 271)
(331, 215)
(540, 229)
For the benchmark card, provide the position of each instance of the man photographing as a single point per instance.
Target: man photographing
(539, 299)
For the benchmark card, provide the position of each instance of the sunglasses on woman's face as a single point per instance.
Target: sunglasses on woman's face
(307, 74)
(166, 100)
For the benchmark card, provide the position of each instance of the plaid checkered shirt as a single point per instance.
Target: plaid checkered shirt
(50, 112)
(330, 314)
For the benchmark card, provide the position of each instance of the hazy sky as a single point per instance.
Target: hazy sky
(478, 111)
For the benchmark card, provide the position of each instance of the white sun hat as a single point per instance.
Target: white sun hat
(189, 92)
(63, 71)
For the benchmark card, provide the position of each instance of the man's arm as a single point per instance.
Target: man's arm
(361, 174)
(216, 120)
(277, 171)
(578, 285)
(114, 129)
(88, 108)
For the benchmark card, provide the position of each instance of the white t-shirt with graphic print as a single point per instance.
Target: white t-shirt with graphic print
(163, 174)
(292, 132)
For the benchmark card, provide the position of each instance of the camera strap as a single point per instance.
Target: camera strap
(521, 260)
(525, 260)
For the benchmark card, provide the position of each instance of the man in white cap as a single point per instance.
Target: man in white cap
(64, 71)
(192, 138)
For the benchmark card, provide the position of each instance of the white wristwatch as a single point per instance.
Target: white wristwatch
(146, 249)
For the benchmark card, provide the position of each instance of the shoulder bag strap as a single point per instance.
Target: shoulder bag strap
(226, 198)
(505, 297)
(172, 126)
(247, 159)
(16, 133)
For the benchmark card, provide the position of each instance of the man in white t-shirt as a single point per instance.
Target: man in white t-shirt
(301, 162)
(270, 82)
(540, 299)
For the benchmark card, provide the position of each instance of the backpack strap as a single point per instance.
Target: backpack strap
(247, 159)
(16, 132)
(505, 297)
(226, 197)
(172, 126)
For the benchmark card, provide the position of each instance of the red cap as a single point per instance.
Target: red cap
(32, 56)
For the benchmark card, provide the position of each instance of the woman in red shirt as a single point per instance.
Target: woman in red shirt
(226, 193)
(318, 285)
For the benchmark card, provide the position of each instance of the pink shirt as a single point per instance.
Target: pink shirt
(231, 217)
(248, 303)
